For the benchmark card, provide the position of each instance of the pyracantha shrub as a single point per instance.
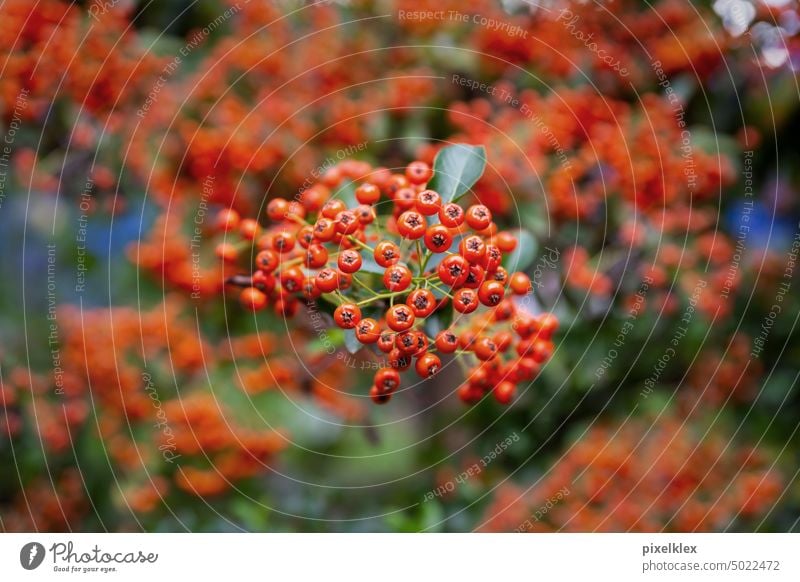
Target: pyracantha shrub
(407, 270)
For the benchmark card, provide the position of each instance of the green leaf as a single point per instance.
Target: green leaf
(347, 194)
(368, 264)
(456, 169)
(351, 341)
(524, 254)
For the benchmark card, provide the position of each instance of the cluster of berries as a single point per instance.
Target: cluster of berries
(437, 262)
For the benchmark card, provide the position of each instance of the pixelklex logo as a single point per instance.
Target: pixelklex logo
(31, 555)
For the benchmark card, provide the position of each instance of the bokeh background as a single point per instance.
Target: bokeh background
(650, 148)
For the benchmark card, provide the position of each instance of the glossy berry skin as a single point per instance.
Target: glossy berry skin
(453, 270)
(347, 315)
(451, 215)
(398, 360)
(491, 261)
(491, 293)
(418, 172)
(504, 392)
(346, 222)
(475, 277)
(465, 300)
(267, 261)
(446, 341)
(253, 299)
(484, 348)
(387, 380)
(283, 241)
(472, 248)
(264, 282)
(368, 331)
(365, 214)
(397, 278)
(328, 280)
(429, 202)
(386, 253)
(428, 365)
(368, 193)
(227, 220)
(333, 207)
(292, 279)
(324, 229)
(349, 261)
(305, 236)
(406, 342)
(411, 225)
(404, 199)
(277, 209)
(520, 283)
(422, 302)
(478, 217)
(500, 275)
(506, 241)
(249, 229)
(386, 341)
(379, 397)
(316, 256)
(400, 317)
(310, 289)
(548, 324)
(438, 238)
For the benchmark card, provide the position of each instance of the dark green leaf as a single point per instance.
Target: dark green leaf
(456, 169)
(524, 254)
(351, 341)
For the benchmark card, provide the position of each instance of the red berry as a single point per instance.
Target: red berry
(484, 348)
(422, 302)
(283, 241)
(349, 261)
(387, 380)
(333, 207)
(346, 222)
(400, 317)
(505, 241)
(277, 209)
(446, 341)
(453, 270)
(347, 315)
(504, 392)
(427, 365)
(472, 248)
(404, 199)
(227, 220)
(368, 193)
(386, 253)
(438, 238)
(478, 217)
(386, 341)
(418, 172)
(324, 229)
(520, 283)
(379, 397)
(491, 293)
(397, 278)
(267, 261)
(411, 225)
(328, 280)
(292, 279)
(253, 299)
(429, 202)
(465, 301)
(451, 215)
(316, 256)
(368, 331)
